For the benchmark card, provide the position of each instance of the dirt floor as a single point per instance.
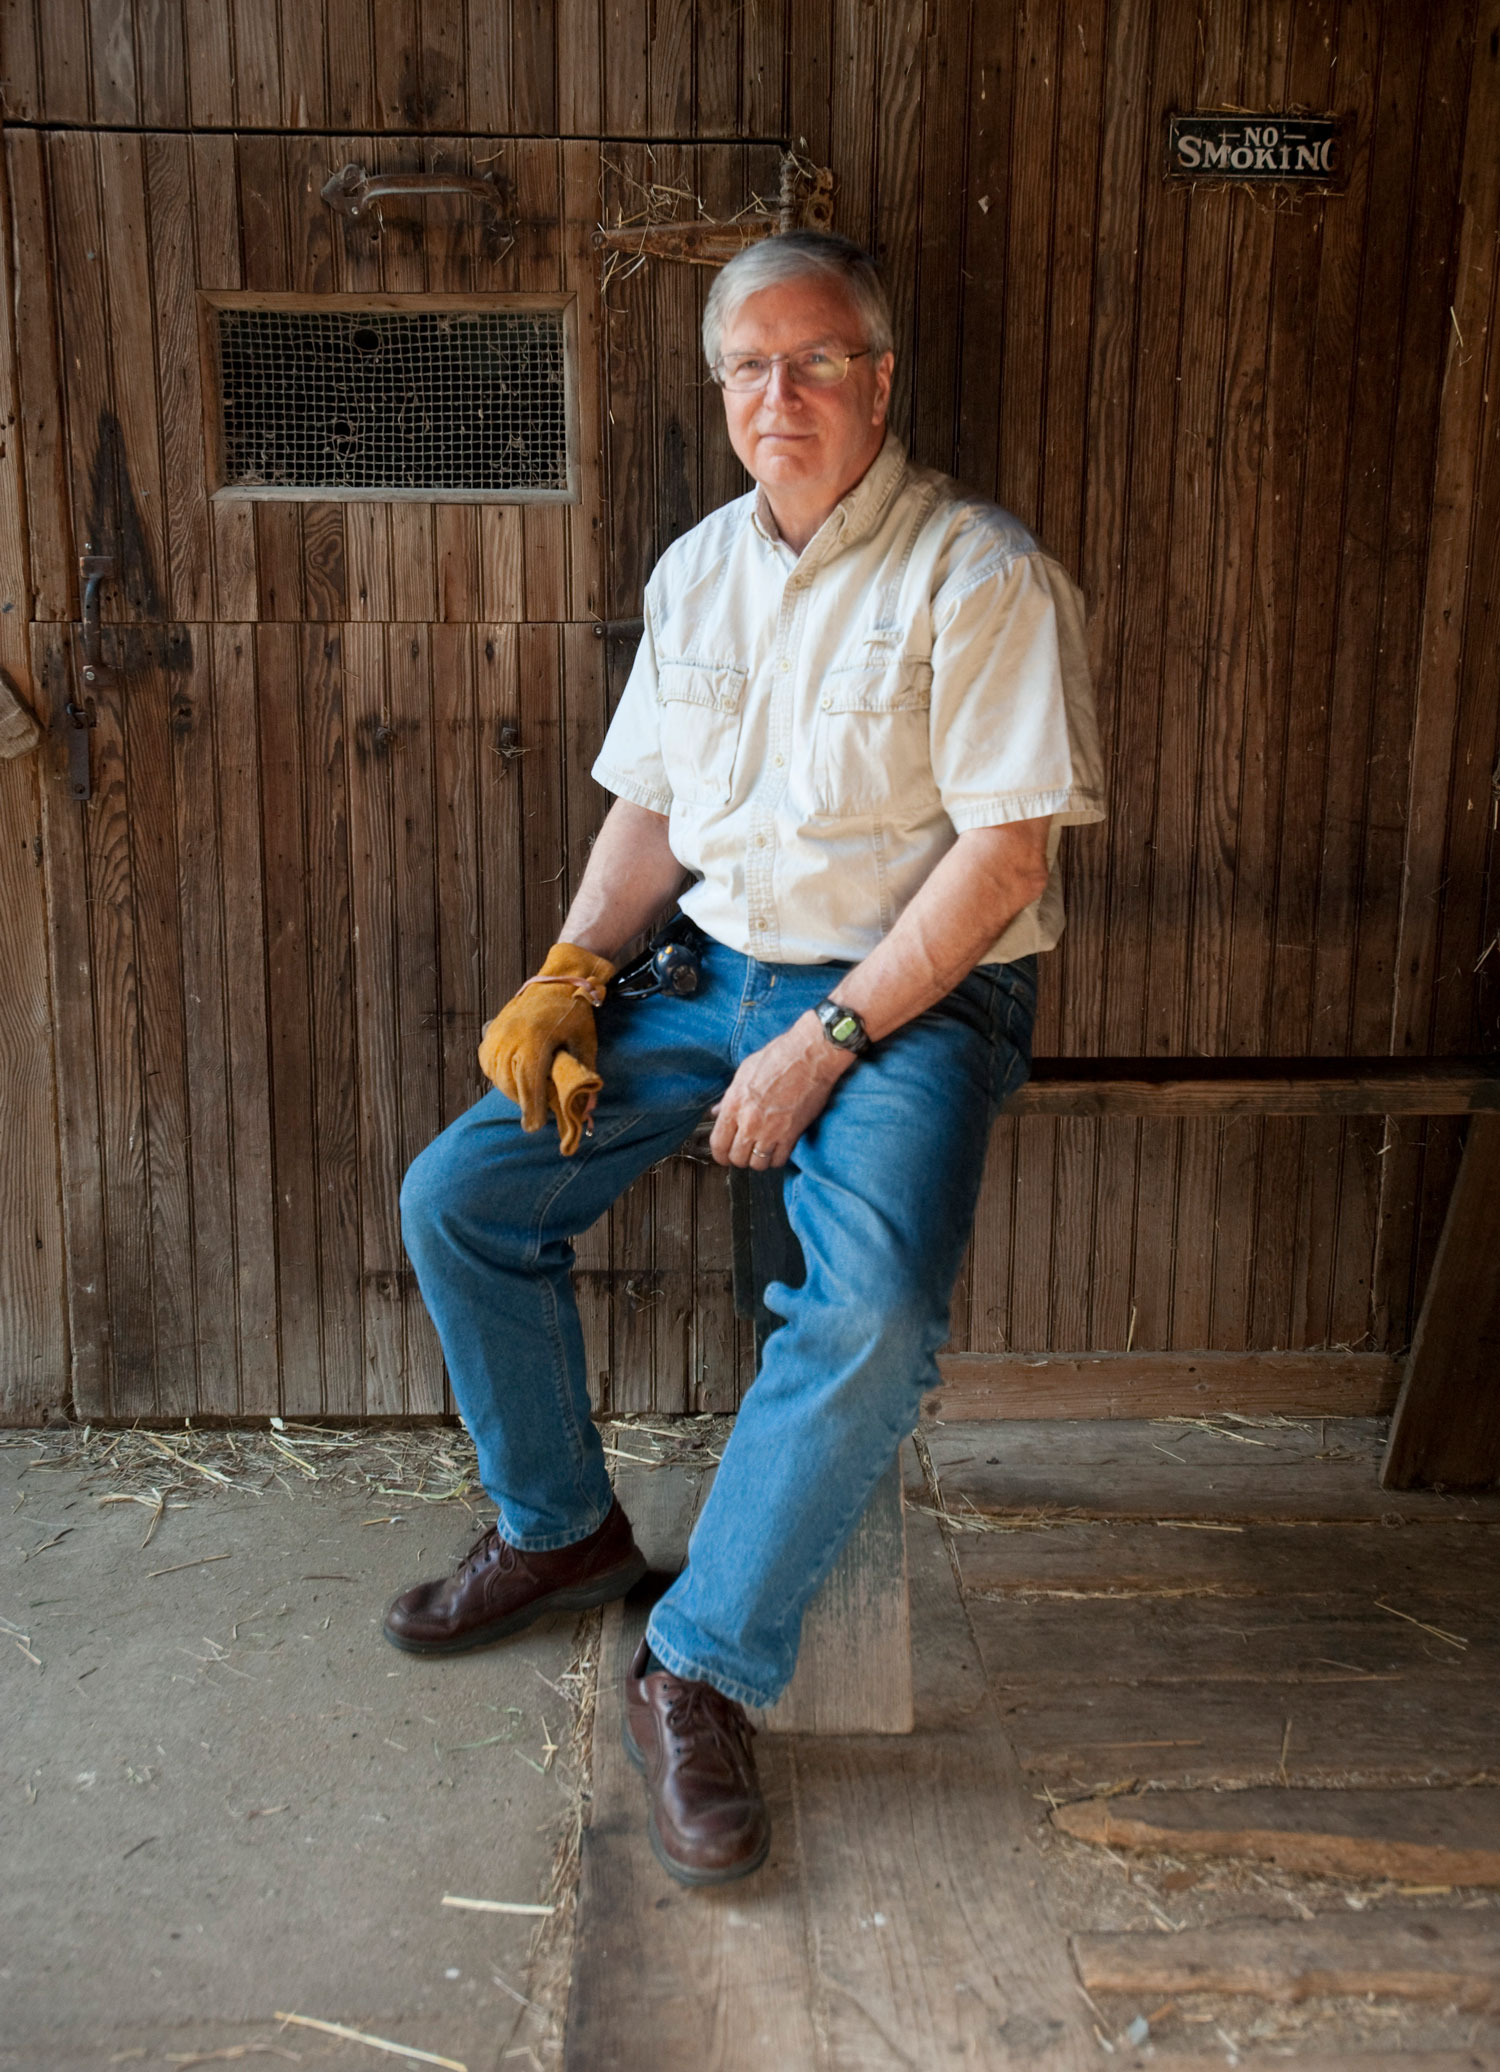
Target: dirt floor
(225, 1800)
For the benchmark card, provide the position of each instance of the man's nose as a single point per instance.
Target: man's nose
(780, 388)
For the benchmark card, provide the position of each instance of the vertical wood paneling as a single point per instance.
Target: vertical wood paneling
(330, 949)
(80, 1091)
(351, 65)
(208, 1138)
(161, 64)
(209, 63)
(286, 867)
(1255, 432)
(33, 1335)
(32, 303)
(375, 744)
(241, 802)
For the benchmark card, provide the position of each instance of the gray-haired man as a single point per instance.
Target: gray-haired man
(858, 719)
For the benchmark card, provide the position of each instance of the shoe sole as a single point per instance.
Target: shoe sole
(580, 1597)
(681, 1872)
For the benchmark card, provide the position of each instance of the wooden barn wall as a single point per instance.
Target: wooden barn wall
(1259, 429)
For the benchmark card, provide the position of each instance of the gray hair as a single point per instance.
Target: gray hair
(798, 254)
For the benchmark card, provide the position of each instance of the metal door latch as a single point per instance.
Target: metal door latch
(94, 570)
(352, 189)
(80, 719)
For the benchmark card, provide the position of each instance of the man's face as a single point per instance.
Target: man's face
(806, 443)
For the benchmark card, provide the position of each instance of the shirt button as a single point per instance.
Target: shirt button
(778, 760)
(782, 668)
(760, 841)
(827, 704)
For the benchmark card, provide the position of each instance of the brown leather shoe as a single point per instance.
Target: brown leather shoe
(707, 1820)
(497, 1589)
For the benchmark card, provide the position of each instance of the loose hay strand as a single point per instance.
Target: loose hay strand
(397, 2050)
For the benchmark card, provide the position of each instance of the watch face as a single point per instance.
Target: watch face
(844, 1029)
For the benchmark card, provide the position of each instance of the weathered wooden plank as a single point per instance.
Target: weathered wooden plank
(79, 1092)
(285, 780)
(1187, 1469)
(33, 1320)
(207, 1146)
(351, 66)
(257, 65)
(112, 52)
(853, 1673)
(1432, 1955)
(47, 564)
(1233, 1736)
(917, 1855)
(209, 64)
(1259, 1086)
(1413, 1837)
(330, 982)
(151, 710)
(217, 207)
(15, 555)
(1446, 1429)
(580, 204)
(255, 1172)
(187, 563)
(738, 1991)
(21, 78)
(161, 64)
(1446, 1568)
(374, 741)
(417, 1004)
(1163, 1384)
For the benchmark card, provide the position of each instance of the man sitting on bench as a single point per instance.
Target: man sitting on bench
(858, 719)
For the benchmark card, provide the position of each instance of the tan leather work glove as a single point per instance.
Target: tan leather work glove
(552, 1013)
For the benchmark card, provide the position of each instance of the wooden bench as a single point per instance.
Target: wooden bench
(854, 1670)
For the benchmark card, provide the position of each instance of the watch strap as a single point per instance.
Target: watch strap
(843, 1027)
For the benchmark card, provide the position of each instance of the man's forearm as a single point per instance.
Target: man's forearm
(630, 876)
(970, 899)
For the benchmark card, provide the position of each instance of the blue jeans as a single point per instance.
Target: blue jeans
(880, 1192)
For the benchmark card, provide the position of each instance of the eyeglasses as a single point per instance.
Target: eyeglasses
(744, 373)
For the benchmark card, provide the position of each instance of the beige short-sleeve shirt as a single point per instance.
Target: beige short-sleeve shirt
(820, 729)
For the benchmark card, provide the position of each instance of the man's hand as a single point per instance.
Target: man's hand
(775, 1094)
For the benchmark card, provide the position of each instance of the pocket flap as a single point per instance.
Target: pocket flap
(888, 687)
(718, 686)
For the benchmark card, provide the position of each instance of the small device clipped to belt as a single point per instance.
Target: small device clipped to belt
(671, 963)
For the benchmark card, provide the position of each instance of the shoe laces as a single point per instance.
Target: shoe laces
(694, 1704)
(488, 1548)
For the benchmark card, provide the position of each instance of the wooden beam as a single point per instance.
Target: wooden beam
(1414, 1837)
(1163, 1384)
(1259, 1086)
(1453, 1957)
(1447, 1424)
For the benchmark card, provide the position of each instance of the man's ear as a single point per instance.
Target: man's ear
(884, 368)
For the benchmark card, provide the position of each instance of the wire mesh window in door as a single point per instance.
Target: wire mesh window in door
(463, 401)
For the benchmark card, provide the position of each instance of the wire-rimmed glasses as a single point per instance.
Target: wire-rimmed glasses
(744, 373)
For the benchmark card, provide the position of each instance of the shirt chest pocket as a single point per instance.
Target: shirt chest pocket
(702, 706)
(870, 744)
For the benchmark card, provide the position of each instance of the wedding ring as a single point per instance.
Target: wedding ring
(757, 1152)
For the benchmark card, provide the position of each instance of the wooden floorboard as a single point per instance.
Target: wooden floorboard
(900, 1919)
(1432, 1838)
(1443, 1955)
(1320, 1469)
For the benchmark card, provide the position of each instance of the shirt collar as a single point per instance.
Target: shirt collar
(855, 516)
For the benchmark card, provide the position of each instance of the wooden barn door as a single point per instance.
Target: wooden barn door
(337, 765)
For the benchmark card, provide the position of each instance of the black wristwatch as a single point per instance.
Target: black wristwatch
(843, 1027)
